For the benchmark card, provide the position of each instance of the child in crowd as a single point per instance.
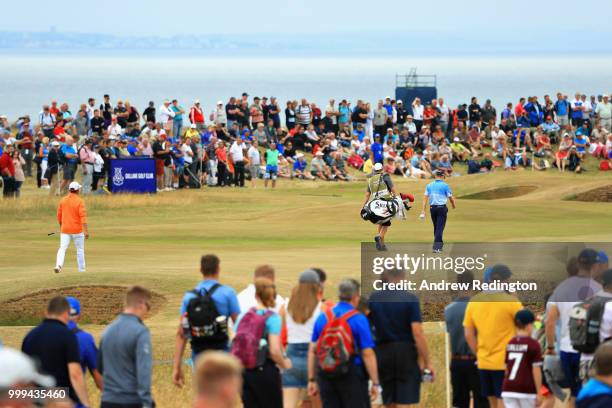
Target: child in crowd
(523, 378)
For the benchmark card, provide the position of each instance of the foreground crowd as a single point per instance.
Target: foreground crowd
(257, 138)
(268, 352)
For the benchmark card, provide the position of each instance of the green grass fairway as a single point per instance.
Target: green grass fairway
(157, 241)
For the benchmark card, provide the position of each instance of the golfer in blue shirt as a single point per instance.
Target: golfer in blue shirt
(437, 193)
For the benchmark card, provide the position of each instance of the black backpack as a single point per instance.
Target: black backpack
(203, 328)
(584, 324)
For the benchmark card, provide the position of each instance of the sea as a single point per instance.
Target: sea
(29, 81)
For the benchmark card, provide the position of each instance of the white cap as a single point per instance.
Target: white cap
(387, 97)
(197, 101)
(605, 96)
(378, 167)
(299, 155)
(399, 101)
(219, 102)
(456, 139)
(19, 368)
(55, 143)
(74, 186)
(193, 126)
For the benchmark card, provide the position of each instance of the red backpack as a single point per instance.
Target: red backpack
(335, 347)
(246, 343)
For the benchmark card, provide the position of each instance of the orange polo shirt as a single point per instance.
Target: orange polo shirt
(71, 214)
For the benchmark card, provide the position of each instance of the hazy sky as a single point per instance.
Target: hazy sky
(489, 18)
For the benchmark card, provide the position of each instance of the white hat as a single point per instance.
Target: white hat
(19, 368)
(193, 126)
(456, 139)
(197, 101)
(319, 153)
(219, 102)
(74, 186)
(299, 155)
(378, 167)
(399, 101)
(55, 143)
(387, 97)
(605, 96)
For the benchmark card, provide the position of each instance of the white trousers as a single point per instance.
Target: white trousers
(79, 243)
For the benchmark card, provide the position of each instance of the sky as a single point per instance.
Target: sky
(527, 20)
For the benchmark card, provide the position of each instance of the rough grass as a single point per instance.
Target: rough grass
(157, 240)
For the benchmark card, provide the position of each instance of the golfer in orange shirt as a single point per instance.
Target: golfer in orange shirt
(72, 219)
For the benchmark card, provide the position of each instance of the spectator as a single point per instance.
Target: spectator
(604, 113)
(401, 349)
(7, 170)
(206, 329)
(465, 380)
(523, 379)
(55, 348)
(19, 371)
(568, 293)
(301, 312)
(125, 358)
(247, 298)
(489, 325)
(218, 380)
(87, 344)
(262, 383)
(349, 390)
(196, 115)
(597, 392)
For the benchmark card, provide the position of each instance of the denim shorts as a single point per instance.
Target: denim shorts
(297, 376)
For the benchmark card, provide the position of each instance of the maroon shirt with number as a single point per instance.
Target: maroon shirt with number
(522, 354)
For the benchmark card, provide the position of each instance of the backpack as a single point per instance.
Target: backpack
(246, 343)
(201, 321)
(584, 323)
(335, 348)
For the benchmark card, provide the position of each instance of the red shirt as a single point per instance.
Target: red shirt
(7, 165)
(196, 115)
(522, 354)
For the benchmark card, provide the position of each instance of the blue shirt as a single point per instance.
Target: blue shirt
(561, 107)
(224, 297)
(359, 325)
(87, 347)
(377, 151)
(392, 312)
(70, 150)
(300, 165)
(344, 114)
(177, 115)
(438, 192)
(389, 108)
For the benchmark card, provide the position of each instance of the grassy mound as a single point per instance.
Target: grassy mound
(598, 195)
(500, 193)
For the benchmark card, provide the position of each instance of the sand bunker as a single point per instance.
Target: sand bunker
(600, 194)
(501, 192)
(99, 304)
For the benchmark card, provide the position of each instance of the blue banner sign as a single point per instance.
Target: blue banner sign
(132, 176)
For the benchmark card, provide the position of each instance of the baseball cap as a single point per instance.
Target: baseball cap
(378, 167)
(499, 271)
(75, 306)
(588, 256)
(19, 368)
(74, 186)
(603, 257)
(387, 97)
(299, 155)
(456, 139)
(196, 101)
(309, 276)
(55, 143)
(399, 101)
(219, 102)
(193, 126)
(524, 317)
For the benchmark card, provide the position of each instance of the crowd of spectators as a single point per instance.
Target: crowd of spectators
(270, 352)
(258, 138)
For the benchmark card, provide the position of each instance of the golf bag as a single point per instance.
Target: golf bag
(382, 209)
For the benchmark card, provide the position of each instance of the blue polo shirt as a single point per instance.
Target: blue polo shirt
(70, 150)
(438, 192)
(377, 151)
(224, 297)
(345, 113)
(562, 107)
(87, 347)
(301, 166)
(577, 114)
(359, 325)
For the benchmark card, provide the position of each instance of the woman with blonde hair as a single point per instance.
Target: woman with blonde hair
(262, 381)
(302, 311)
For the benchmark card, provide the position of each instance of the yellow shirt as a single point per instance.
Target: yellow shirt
(492, 315)
(367, 166)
